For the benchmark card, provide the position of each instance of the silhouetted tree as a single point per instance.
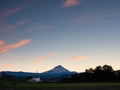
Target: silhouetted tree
(104, 73)
(90, 70)
(89, 74)
(100, 73)
(108, 73)
(108, 68)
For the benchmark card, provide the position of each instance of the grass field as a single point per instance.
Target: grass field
(8, 85)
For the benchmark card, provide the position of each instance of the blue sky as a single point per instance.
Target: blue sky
(40, 34)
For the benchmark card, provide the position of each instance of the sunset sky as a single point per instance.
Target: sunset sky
(41, 34)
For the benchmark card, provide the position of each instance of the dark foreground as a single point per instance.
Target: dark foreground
(8, 85)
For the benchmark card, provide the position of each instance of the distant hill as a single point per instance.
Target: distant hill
(56, 73)
(18, 74)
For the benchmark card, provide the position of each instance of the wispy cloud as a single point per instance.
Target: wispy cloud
(1, 20)
(86, 18)
(96, 17)
(69, 3)
(5, 48)
(77, 58)
(1, 42)
(11, 11)
(41, 58)
(7, 28)
(38, 26)
(7, 65)
(1, 51)
(16, 56)
(37, 62)
(10, 27)
(47, 56)
(22, 22)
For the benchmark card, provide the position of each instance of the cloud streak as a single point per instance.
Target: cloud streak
(69, 3)
(6, 48)
(22, 22)
(1, 42)
(7, 65)
(47, 56)
(1, 20)
(36, 62)
(38, 26)
(17, 9)
(11, 11)
(96, 17)
(7, 28)
(10, 27)
(84, 19)
(77, 58)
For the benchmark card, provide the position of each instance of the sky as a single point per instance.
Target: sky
(37, 35)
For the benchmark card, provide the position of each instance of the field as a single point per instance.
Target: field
(8, 85)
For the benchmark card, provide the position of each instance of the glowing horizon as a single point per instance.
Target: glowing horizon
(41, 34)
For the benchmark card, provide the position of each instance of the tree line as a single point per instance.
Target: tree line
(103, 73)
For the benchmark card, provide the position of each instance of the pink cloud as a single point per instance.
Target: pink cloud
(22, 22)
(69, 3)
(11, 11)
(2, 51)
(95, 17)
(36, 62)
(43, 57)
(7, 65)
(5, 48)
(52, 54)
(85, 18)
(7, 28)
(1, 20)
(14, 10)
(16, 56)
(1, 42)
(10, 27)
(38, 26)
(47, 56)
(77, 58)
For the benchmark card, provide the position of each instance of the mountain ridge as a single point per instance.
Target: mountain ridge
(57, 69)
(55, 73)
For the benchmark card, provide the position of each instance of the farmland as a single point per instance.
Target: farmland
(12, 85)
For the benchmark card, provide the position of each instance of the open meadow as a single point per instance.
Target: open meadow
(8, 85)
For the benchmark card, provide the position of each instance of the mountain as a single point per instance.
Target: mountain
(18, 74)
(56, 73)
(58, 69)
